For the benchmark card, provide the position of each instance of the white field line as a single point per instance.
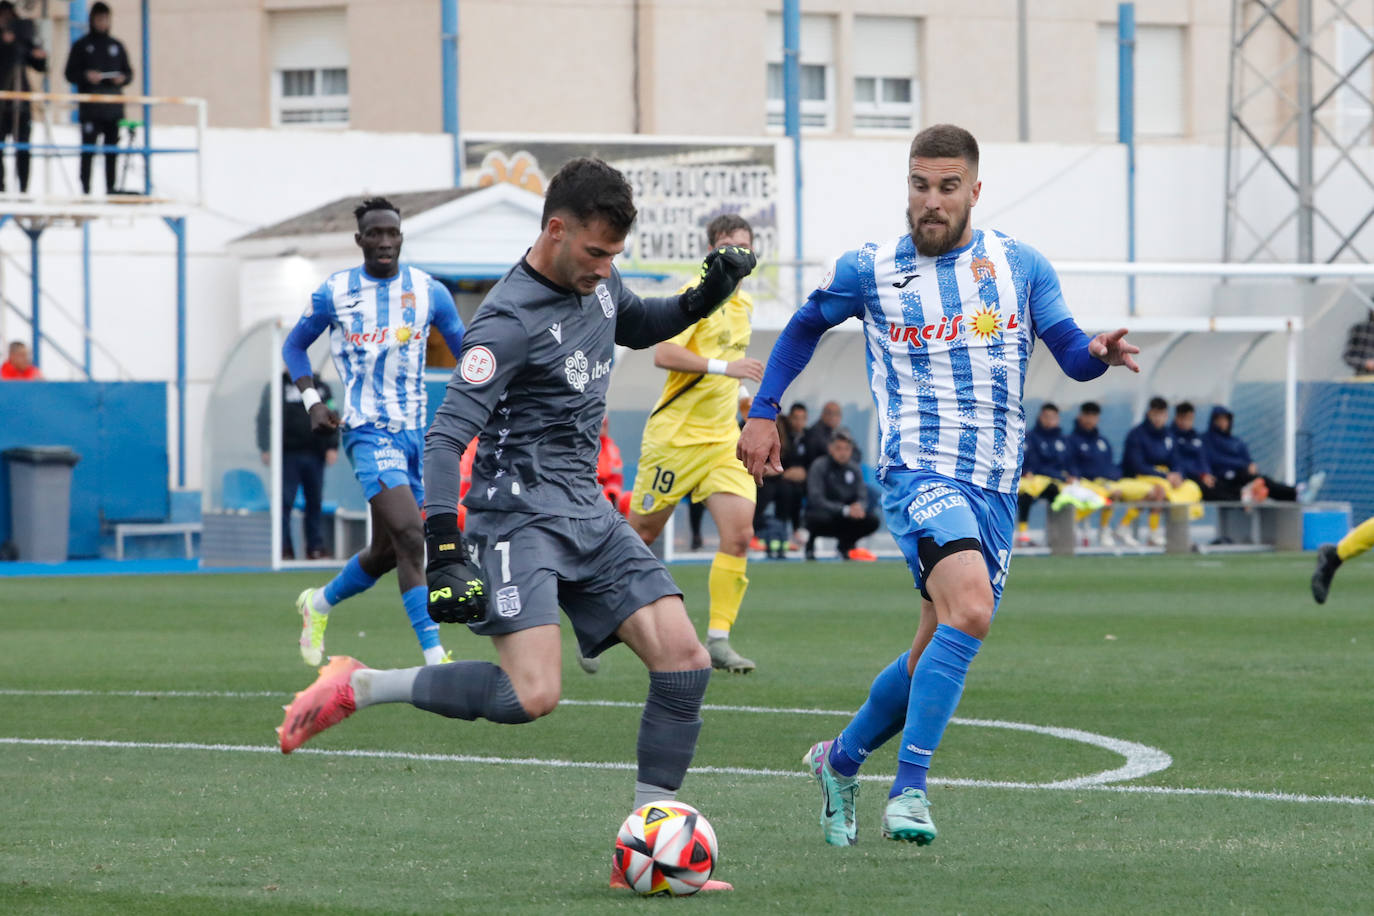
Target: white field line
(1141, 759)
(707, 770)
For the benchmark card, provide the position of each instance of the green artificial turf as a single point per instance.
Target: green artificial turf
(1225, 665)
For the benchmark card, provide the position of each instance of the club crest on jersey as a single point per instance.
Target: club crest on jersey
(407, 300)
(603, 295)
(983, 269)
(508, 601)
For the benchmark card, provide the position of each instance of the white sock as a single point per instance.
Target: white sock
(434, 656)
(645, 793)
(319, 603)
(717, 634)
(374, 685)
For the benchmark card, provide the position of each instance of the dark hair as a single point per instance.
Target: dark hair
(97, 9)
(7, 6)
(1090, 408)
(945, 141)
(373, 203)
(727, 224)
(798, 405)
(1183, 408)
(590, 189)
(1158, 403)
(1049, 405)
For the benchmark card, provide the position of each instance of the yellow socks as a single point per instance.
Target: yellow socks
(726, 584)
(1360, 539)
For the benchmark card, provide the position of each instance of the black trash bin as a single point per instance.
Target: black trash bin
(41, 500)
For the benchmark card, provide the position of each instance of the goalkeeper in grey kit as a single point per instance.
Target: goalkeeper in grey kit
(532, 381)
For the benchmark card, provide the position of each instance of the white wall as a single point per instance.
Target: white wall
(251, 178)
(1068, 201)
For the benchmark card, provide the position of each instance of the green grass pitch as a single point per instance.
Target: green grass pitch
(1225, 665)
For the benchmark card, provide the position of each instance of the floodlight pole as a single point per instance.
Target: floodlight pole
(1125, 125)
(178, 226)
(147, 108)
(33, 230)
(791, 95)
(449, 38)
(1022, 74)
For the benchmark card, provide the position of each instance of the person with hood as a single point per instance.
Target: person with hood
(1045, 467)
(1150, 470)
(1238, 476)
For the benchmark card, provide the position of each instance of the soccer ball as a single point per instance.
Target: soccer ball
(666, 848)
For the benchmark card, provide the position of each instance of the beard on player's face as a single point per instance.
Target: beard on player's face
(935, 233)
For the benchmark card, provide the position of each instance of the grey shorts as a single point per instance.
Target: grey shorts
(596, 569)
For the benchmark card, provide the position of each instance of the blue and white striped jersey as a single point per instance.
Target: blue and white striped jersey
(377, 331)
(947, 343)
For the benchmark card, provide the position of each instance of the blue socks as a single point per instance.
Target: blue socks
(879, 719)
(919, 706)
(350, 581)
(416, 601)
(936, 686)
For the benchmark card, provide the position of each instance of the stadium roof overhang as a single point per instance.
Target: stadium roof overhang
(488, 228)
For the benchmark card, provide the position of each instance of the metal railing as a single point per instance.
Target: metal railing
(50, 149)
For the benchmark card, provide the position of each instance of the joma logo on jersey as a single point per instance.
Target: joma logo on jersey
(948, 329)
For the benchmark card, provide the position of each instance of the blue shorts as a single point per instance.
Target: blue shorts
(923, 504)
(382, 460)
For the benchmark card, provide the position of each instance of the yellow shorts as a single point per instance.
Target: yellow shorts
(668, 474)
(1187, 493)
(1101, 486)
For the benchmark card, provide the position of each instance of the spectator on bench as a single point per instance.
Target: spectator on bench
(1045, 467)
(1237, 475)
(1191, 449)
(1091, 461)
(1150, 471)
(837, 499)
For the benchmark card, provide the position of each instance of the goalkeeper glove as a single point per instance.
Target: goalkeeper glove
(720, 274)
(456, 591)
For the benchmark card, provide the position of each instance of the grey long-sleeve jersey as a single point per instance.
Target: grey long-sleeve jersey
(532, 379)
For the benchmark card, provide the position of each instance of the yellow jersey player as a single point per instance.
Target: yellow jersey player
(689, 445)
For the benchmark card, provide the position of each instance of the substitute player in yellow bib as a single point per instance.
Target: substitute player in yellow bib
(689, 445)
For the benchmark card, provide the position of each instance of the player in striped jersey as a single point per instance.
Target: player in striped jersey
(378, 316)
(950, 317)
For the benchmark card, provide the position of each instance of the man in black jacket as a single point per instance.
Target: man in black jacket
(20, 51)
(98, 64)
(837, 499)
(303, 458)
